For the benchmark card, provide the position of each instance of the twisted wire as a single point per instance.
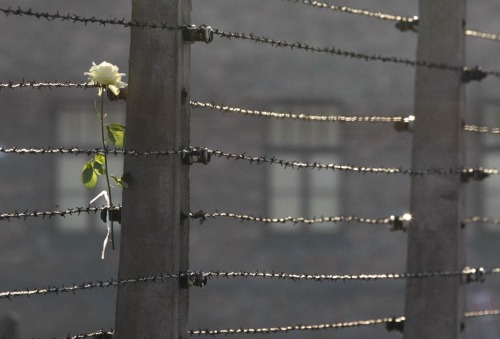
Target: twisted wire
(482, 129)
(39, 85)
(287, 328)
(387, 17)
(49, 214)
(306, 117)
(472, 274)
(202, 216)
(483, 220)
(84, 286)
(73, 18)
(245, 36)
(348, 54)
(253, 159)
(324, 118)
(331, 326)
(97, 334)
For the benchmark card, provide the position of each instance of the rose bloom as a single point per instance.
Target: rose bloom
(105, 75)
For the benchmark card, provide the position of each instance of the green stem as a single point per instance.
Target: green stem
(106, 172)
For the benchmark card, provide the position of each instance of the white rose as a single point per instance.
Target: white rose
(105, 75)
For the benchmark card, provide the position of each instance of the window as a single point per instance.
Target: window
(80, 128)
(306, 192)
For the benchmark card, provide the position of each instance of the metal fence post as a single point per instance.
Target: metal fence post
(154, 237)
(435, 306)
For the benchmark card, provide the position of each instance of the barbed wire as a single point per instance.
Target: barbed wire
(326, 118)
(354, 55)
(402, 22)
(290, 328)
(202, 217)
(73, 18)
(287, 328)
(200, 278)
(254, 159)
(482, 129)
(39, 85)
(98, 334)
(260, 39)
(301, 116)
(483, 220)
(49, 214)
(408, 22)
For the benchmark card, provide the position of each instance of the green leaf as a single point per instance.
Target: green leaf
(116, 134)
(100, 158)
(99, 168)
(120, 182)
(89, 176)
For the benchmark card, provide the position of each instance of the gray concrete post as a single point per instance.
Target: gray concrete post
(154, 237)
(435, 306)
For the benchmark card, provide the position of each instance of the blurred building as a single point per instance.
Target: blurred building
(238, 73)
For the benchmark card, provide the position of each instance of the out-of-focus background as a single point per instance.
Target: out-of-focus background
(35, 253)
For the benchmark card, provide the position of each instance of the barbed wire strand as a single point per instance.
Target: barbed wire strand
(325, 118)
(386, 16)
(97, 334)
(301, 116)
(202, 216)
(73, 18)
(49, 85)
(349, 54)
(401, 319)
(49, 214)
(471, 274)
(253, 159)
(225, 108)
(255, 38)
(482, 220)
